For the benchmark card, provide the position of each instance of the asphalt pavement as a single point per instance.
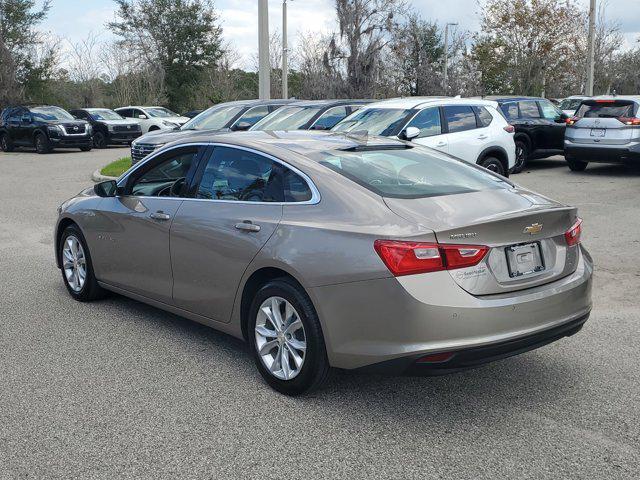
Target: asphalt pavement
(118, 389)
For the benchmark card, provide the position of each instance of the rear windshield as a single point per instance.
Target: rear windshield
(374, 121)
(409, 173)
(606, 109)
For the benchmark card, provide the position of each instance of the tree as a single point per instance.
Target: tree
(365, 28)
(524, 44)
(27, 59)
(181, 38)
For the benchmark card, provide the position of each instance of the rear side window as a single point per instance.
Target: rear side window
(606, 109)
(549, 110)
(484, 117)
(240, 175)
(510, 110)
(428, 121)
(529, 109)
(459, 118)
(252, 115)
(408, 172)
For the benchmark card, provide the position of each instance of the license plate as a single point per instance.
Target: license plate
(524, 259)
(598, 132)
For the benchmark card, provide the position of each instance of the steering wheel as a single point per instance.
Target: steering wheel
(176, 188)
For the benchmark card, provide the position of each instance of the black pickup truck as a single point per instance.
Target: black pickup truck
(44, 128)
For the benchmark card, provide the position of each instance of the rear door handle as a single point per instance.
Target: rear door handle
(482, 137)
(248, 226)
(160, 215)
(441, 144)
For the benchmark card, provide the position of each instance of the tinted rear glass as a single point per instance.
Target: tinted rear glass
(409, 173)
(613, 109)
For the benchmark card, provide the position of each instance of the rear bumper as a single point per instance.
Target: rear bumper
(603, 153)
(394, 321)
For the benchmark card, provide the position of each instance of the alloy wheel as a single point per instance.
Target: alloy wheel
(280, 338)
(74, 263)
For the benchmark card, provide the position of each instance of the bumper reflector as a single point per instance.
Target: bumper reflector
(436, 357)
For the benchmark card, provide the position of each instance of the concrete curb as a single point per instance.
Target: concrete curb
(98, 177)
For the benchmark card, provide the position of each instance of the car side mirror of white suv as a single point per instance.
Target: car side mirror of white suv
(409, 133)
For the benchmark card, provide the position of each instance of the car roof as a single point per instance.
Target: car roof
(303, 142)
(418, 102)
(510, 98)
(331, 103)
(633, 98)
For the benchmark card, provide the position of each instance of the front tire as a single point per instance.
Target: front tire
(576, 165)
(494, 165)
(43, 145)
(99, 140)
(5, 143)
(286, 338)
(76, 266)
(522, 155)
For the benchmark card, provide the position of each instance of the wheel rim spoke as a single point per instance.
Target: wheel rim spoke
(74, 263)
(280, 338)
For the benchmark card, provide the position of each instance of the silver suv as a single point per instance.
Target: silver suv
(604, 129)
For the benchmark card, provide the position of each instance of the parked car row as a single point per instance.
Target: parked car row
(500, 133)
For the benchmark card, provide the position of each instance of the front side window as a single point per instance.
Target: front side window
(529, 109)
(549, 110)
(374, 121)
(330, 118)
(50, 113)
(253, 115)
(459, 118)
(428, 121)
(239, 175)
(214, 118)
(409, 172)
(287, 118)
(167, 178)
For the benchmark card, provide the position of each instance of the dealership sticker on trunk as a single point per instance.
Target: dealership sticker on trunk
(524, 259)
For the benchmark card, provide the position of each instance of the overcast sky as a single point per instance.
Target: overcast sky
(75, 19)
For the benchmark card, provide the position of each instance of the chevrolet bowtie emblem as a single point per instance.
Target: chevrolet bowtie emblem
(533, 229)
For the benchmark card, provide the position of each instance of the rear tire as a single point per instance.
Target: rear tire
(576, 165)
(494, 165)
(292, 299)
(522, 155)
(89, 290)
(5, 143)
(99, 140)
(43, 145)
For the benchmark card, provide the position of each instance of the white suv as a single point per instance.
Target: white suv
(153, 118)
(472, 130)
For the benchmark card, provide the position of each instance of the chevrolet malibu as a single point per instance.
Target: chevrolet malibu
(330, 250)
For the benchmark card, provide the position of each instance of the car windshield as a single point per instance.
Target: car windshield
(409, 172)
(374, 121)
(606, 109)
(570, 103)
(105, 114)
(160, 112)
(287, 118)
(50, 113)
(215, 118)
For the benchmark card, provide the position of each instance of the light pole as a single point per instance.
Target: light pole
(592, 47)
(264, 88)
(285, 53)
(446, 55)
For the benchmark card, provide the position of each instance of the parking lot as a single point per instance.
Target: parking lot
(118, 389)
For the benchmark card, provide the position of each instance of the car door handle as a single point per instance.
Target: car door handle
(441, 144)
(248, 226)
(160, 215)
(483, 137)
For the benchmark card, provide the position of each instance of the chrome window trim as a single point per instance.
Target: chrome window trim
(315, 193)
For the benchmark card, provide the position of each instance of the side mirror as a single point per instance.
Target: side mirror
(242, 126)
(106, 189)
(409, 133)
(142, 117)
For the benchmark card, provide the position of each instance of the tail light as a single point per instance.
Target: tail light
(408, 258)
(572, 236)
(509, 128)
(634, 122)
(572, 120)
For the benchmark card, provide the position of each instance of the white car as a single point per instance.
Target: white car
(570, 105)
(472, 130)
(153, 118)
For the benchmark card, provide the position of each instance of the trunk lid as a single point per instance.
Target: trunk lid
(500, 219)
(598, 123)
